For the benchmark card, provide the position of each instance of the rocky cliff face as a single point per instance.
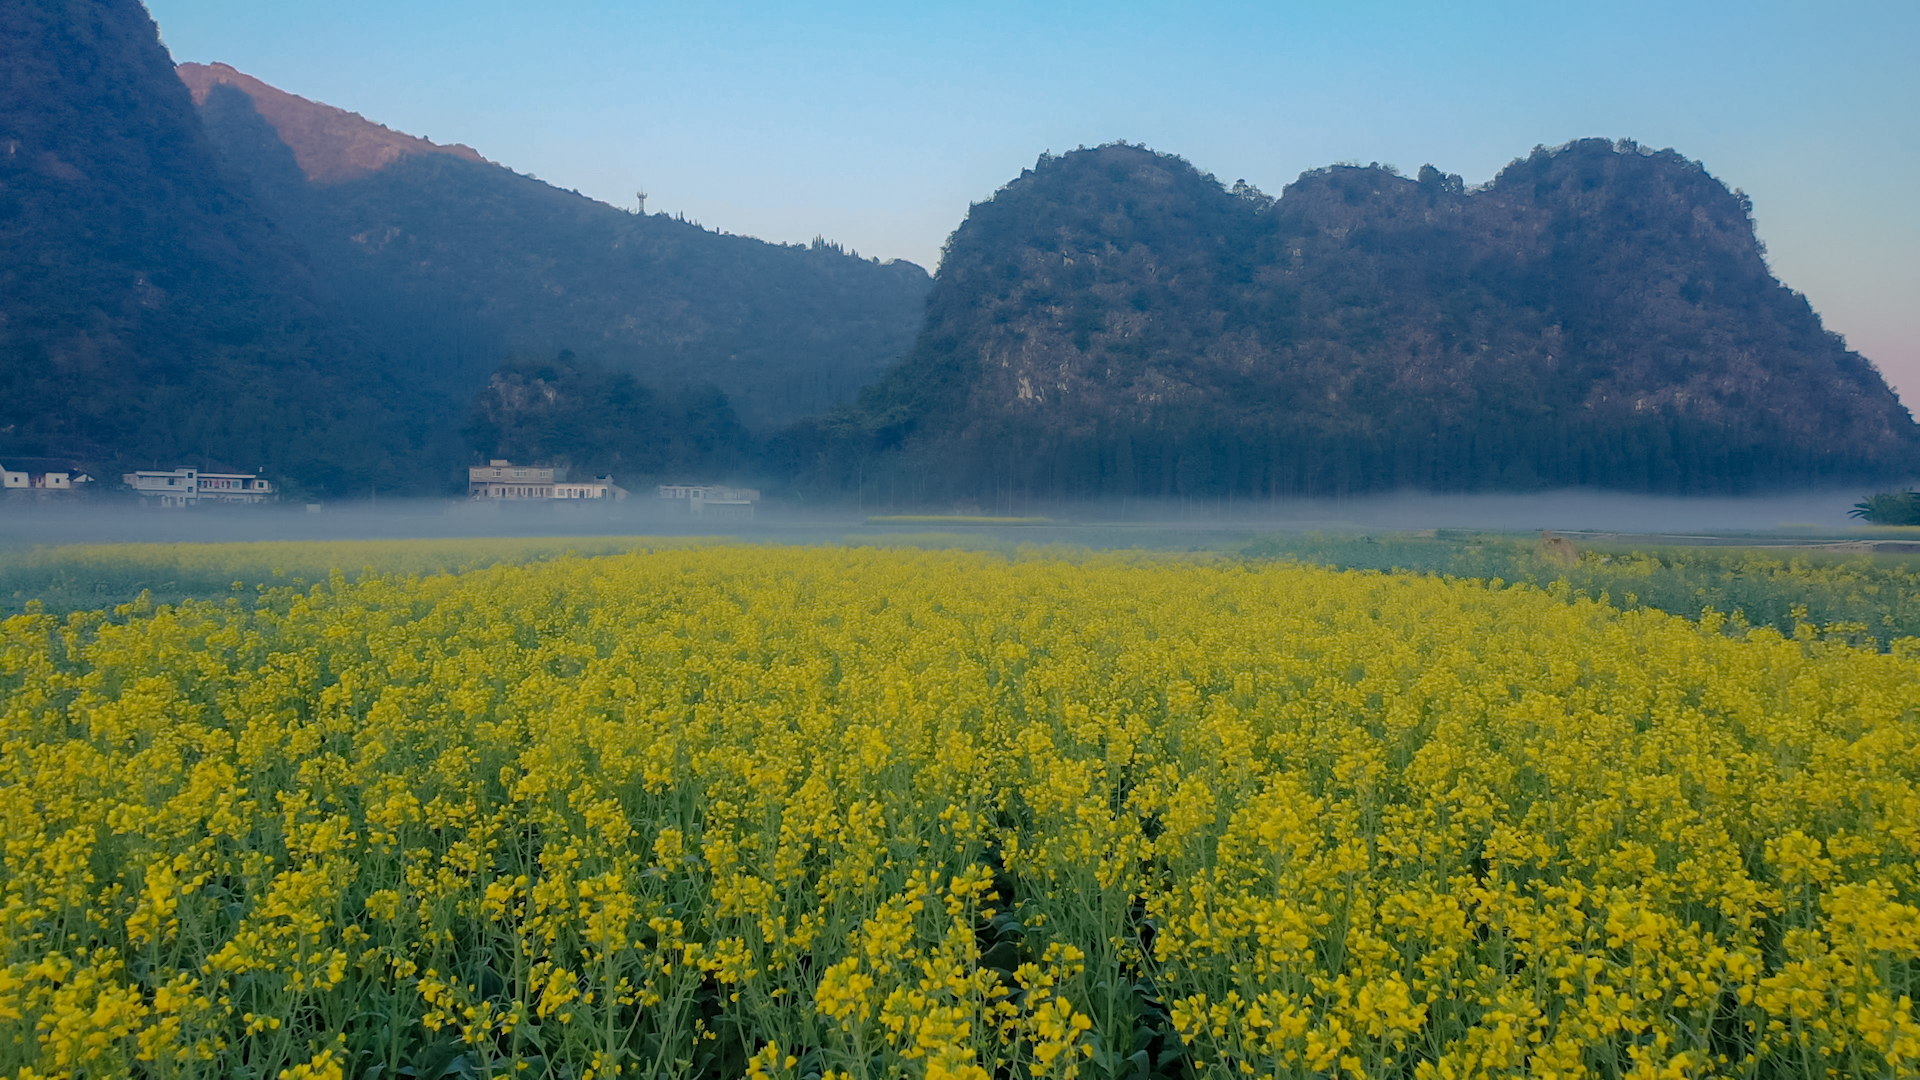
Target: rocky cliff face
(451, 263)
(1598, 314)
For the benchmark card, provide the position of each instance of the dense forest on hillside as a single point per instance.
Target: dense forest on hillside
(454, 263)
(149, 313)
(576, 413)
(1116, 323)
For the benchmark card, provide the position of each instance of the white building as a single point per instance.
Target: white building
(234, 488)
(191, 487)
(177, 488)
(710, 502)
(502, 479)
(40, 475)
(599, 488)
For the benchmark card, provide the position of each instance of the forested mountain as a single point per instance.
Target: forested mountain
(314, 295)
(453, 262)
(1115, 322)
(263, 281)
(148, 311)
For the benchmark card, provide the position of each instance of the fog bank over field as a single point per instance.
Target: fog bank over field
(1576, 510)
(1785, 517)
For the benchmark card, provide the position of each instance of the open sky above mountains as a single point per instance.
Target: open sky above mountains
(877, 126)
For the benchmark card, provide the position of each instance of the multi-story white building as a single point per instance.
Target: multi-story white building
(599, 488)
(710, 501)
(180, 487)
(502, 479)
(191, 487)
(235, 488)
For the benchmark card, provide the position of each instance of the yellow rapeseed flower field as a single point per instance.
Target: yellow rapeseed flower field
(870, 812)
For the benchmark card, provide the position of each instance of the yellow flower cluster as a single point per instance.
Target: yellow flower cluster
(724, 811)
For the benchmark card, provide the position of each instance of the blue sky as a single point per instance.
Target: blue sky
(877, 124)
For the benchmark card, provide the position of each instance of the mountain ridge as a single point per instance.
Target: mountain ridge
(459, 263)
(200, 267)
(148, 310)
(1599, 313)
(329, 144)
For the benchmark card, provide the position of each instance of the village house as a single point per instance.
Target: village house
(245, 488)
(710, 502)
(191, 487)
(502, 479)
(41, 475)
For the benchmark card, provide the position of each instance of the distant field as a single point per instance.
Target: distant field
(1855, 594)
(953, 519)
(716, 810)
(77, 577)
(1852, 594)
